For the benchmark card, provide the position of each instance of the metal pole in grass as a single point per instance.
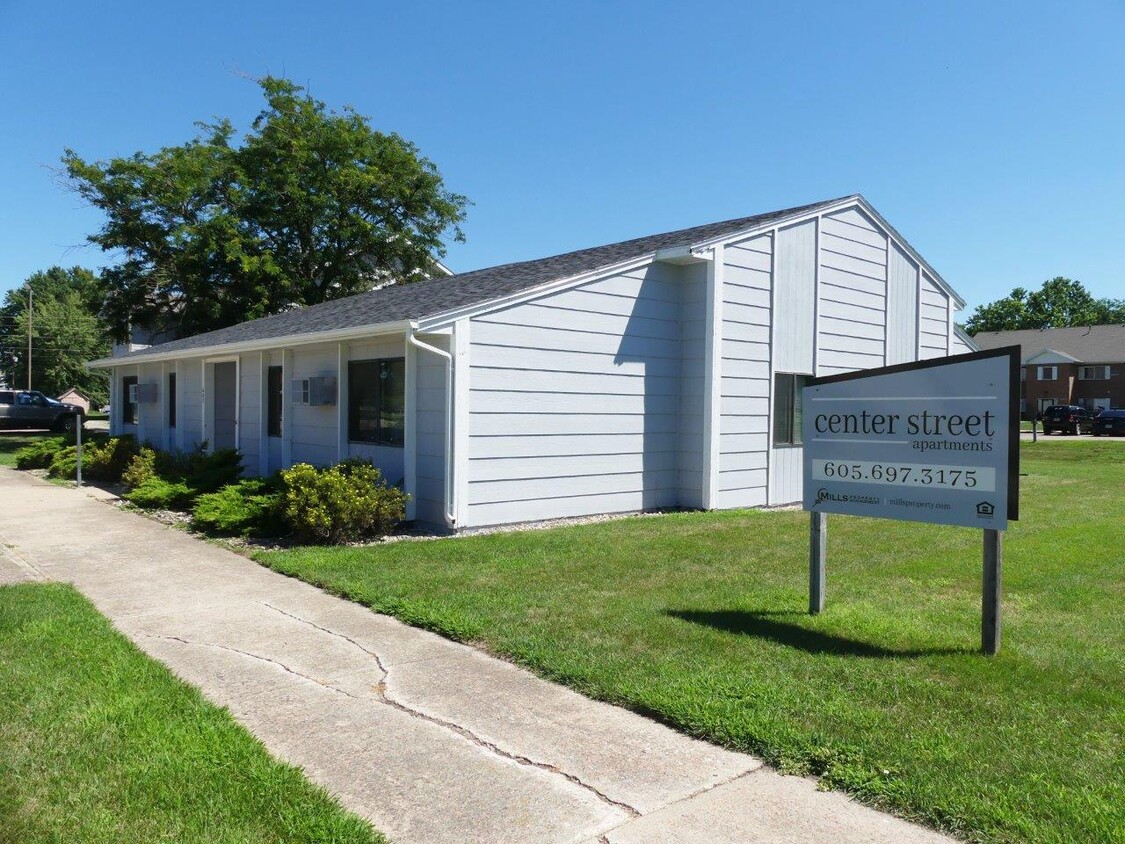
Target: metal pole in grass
(818, 551)
(991, 592)
(78, 451)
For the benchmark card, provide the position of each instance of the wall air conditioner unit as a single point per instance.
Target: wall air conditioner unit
(317, 391)
(146, 393)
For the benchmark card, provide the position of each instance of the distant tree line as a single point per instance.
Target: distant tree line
(66, 331)
(1059, 303)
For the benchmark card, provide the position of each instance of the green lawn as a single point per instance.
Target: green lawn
(699, 620)
(98, 743)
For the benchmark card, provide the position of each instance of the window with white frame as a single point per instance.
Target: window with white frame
(1047, 373)
(787, 411)
(1093, 373)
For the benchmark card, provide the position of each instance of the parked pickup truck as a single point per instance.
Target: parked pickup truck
(32, 409)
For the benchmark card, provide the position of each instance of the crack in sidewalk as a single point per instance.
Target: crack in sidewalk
(258, 657)
(464, 732)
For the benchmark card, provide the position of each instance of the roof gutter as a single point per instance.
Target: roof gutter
(288, 341)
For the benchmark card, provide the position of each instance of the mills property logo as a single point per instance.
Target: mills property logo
(823, 495)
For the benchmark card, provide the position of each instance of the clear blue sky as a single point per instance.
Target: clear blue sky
(992, 134)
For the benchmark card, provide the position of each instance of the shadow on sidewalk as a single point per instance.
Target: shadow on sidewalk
(766, 625)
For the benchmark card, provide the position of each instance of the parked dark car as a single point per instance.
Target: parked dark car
(32, 409)
(1111, 423)
(1067, 419)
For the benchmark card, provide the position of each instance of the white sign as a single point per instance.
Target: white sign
(934, 441)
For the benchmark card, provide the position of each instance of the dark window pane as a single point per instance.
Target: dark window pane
(363, 401)
(782, 408)
(392, 401)
(171, 399)
(273, 401)
(128, 408)
(799, 382)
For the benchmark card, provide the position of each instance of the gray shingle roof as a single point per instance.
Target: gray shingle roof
(1089, 344)
(435, 296)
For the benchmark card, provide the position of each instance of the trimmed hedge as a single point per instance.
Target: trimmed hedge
(248, 508)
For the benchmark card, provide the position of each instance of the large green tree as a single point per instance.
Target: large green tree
(309, 204)
(66, 331)
(1059, 303)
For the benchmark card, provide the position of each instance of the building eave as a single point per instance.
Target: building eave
(290, 341)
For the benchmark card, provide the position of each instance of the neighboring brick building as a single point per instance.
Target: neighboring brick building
(1084, 366)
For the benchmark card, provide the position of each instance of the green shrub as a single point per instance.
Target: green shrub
(343, 503)
(160, 494)
(64, 462)
(211, 472)
(141, 468)
(201, 471)
(247, 508)
(101, 461)
(39, 454)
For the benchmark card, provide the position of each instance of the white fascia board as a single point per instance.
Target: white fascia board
(433, 324)
(966, 338)
(288, 341)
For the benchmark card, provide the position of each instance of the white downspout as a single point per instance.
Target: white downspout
(450, 486)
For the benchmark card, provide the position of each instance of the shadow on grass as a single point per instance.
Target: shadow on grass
(767, 625)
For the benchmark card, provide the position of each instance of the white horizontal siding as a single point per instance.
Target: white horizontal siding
(556, 381)
(744, 385)
(852, 303)
(933, 320)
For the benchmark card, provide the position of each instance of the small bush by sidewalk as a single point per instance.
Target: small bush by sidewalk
(347, 502)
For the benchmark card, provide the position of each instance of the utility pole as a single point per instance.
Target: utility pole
(30, 311)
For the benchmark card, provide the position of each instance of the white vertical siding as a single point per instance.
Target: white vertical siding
(430, 419)
(794, 319)
(575, 401)
(745, 369)
(189, 421)
(250, 412)
(853, 294)
(693, 325)
(902, 307)
(786, 480)
(934, 320)
(794, 298)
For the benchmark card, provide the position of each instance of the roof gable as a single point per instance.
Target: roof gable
(445, 298)
(1050, 356)
(1086, 343)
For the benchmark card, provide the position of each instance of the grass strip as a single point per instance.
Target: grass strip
(99, 743)
(699, 619)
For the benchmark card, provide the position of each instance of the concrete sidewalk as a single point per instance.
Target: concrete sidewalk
(432, 741)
